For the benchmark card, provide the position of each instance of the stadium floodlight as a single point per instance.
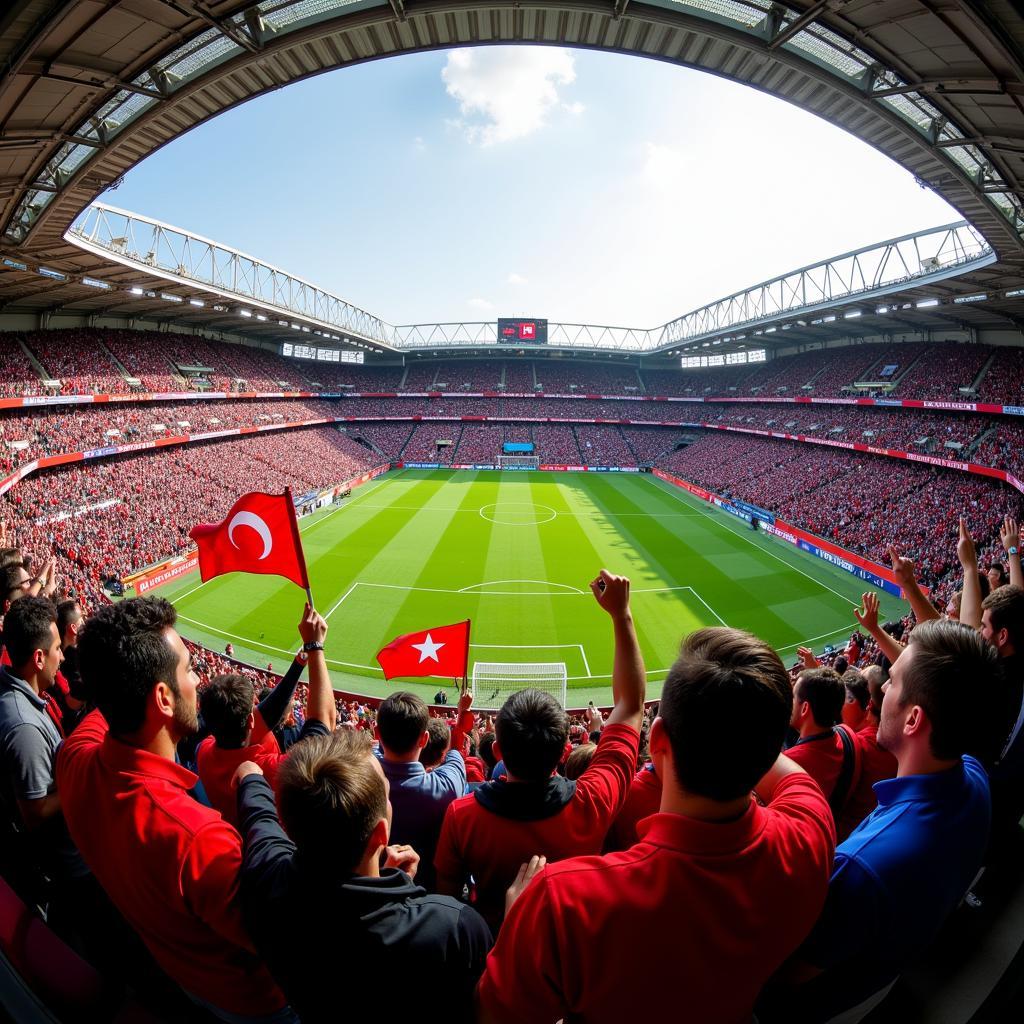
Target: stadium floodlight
(961, 299)
(882, 310)
(260, 316)
(1016, 292)
(93, 283)
(171, 298)
(828, 319)
(245, 312)
(196, 302)
(853, 313)
(924, 303)
(136, 290)
(769, 330)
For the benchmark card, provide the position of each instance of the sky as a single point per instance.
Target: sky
(582, 187)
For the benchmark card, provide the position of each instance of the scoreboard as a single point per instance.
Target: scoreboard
(522, 331)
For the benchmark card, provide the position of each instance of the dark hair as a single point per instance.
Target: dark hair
(725, 708)
(439, 738)
(841, 664)
(532, 731)
(823, 689)
(226, 704)
(68, 612)
(11, 581)
(10, 556)
(874, 678)
(486, 750)
(579, 760)
(950, 658)
(330, 797)
(857, 687)
(27, 628)
(1007, 607)
(986, 587)
(402, 719)
(123, 654)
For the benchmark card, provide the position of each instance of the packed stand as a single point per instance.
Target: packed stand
(77, 358)
(604, 446)
(556, 445)
(565, 377)
(433, 442)
(17, 374)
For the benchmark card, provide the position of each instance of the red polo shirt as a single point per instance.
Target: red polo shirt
(476, 841)
(217, 768)
(821, 757)
(169, 864)
(710, 911)
(642, 800)
(876, 764)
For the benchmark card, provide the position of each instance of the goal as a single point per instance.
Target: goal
(495, 681)
(518, 461)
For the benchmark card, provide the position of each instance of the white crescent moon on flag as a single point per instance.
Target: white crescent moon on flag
(252, 520)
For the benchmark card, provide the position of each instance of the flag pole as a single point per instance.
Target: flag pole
(294, 519)
(465, 671)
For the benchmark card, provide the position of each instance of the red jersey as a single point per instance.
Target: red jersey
(169, 864)
(481, 837)
(876, 764)
(711, 909)
(217, 767)
(642, 800)
(821, 756)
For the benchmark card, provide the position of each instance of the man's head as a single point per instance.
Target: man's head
(438, 743)
(32, 640)
(855, 705)
(531, 731)
(226, 704)
(15, 580)
(333, 799)
(940, 693)
(723, 714)
(1002, 620)
(818, 697)
(997, 576)
(69, 622)
(402, 724)
(875, 679)
(138, 669)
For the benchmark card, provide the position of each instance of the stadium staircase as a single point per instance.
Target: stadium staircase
(922, 358)
(121, 368)
(977, 442)
(976, 383)
(400, 454)
(36, 365)
(632, 451)
(579, 447)
(401, 383)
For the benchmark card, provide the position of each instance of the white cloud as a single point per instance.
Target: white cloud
(516, 279)
(575, 109)
(418, 144)
(506, 93)
(479, 304)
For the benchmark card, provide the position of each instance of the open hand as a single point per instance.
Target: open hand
(902, 568)
(867, 614)
(1009, 534)
(523, 878)
(806, 655)
(965, 547)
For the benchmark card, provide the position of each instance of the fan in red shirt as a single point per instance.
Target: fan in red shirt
(490, 833)
(168, 863)
(242, 733)
(723, 888)
(643, 800)
(827, 751)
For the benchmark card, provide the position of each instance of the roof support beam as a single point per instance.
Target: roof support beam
(398, 6)
(195, 9)
(805, 19)
(984, 87)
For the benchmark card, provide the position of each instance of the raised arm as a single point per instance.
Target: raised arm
(1009, 534)
(970, 602)
(629, 678)
(320, 704)
(903, 570)
(270, 711)
(867, 616)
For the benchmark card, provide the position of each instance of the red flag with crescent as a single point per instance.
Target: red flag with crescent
(260, 535)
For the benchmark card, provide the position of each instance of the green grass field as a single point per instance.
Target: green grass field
(514, 552)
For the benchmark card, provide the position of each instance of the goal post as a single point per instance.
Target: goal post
(518, 461)
(495, 681)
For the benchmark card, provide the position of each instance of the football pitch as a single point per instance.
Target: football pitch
(514, 552)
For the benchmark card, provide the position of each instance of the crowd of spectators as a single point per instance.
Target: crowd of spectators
(604, 446)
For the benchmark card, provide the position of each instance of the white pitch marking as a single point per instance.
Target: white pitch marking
(495, 583)
(848, 631)
(706, 605)
(742, 536)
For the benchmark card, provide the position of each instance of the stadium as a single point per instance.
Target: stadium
(827, 460)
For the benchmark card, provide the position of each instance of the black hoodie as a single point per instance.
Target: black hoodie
(394, 947)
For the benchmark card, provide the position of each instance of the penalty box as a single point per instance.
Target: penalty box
(407, 609)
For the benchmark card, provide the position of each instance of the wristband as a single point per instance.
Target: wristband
(1011, 550)
(313, 645)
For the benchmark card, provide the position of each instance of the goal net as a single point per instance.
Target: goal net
(518, 461)
(495, 681)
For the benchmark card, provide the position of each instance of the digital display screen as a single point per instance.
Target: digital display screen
(522, 331)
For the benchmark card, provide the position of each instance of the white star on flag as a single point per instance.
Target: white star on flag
(428, 649)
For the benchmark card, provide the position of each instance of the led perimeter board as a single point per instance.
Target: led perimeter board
(522, 331)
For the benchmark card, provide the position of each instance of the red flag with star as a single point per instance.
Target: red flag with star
(260, 535)
(441, 651)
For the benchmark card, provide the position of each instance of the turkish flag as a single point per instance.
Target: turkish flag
(441, 651)
(260, 535)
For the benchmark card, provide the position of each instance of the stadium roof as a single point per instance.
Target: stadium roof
(90, 88)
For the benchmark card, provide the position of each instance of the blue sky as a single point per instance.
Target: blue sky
(578, 186)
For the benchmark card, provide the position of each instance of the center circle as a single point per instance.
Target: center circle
(517, 513)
